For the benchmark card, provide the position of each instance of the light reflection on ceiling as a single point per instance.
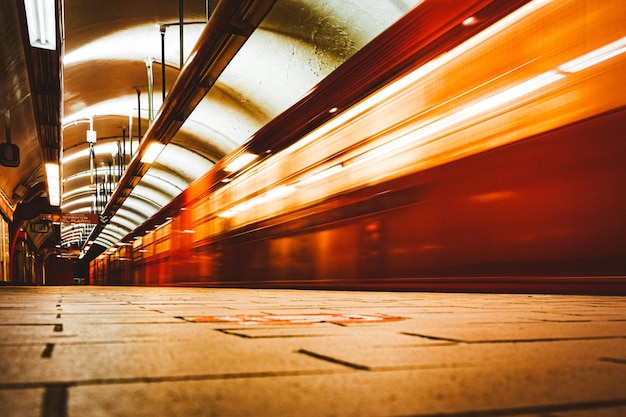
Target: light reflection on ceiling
(296, 46)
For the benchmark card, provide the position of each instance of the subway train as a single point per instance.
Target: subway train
(473, 146)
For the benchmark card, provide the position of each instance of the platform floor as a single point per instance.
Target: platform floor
(125, 351)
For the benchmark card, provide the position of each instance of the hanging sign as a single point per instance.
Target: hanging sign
(74, 218)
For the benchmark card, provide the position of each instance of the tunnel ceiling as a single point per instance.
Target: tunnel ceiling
(107, 47)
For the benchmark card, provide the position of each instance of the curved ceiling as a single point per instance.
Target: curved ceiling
(109, 50)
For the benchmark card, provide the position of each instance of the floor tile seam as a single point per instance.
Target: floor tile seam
(504, 341)
(88, 342)
(618, 361)
(47, 351)
(54, 402)
(331, 359)
(6, 386)
(37, 339)
(585, 319)
(361, 367)
(71, 310)
(105, 323)
(541, 409)
(242, 335)
(540, 321)
(117, 323)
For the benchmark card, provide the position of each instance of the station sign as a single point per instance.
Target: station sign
(296, 319)
(73, 218)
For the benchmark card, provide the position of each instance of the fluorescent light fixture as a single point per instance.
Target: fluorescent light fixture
(99, 149)
(240, 162)
(470, 21)
(595, 57)
(91, 136)
(84, 201)
(54, 184)
(41, 19)
(152, 153)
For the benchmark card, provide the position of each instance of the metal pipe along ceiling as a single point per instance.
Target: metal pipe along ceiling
(229, 27)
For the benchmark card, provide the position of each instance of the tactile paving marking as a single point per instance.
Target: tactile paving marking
(296, 319)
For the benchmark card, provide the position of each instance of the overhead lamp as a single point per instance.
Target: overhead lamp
(42, 22)
(240, 162)
(91, 136)
(470, 21)
(152, 153)
(54, 185)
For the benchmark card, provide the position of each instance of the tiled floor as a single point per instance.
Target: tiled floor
(125, 351)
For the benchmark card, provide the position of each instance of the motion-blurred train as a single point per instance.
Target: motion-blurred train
(474, 145)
